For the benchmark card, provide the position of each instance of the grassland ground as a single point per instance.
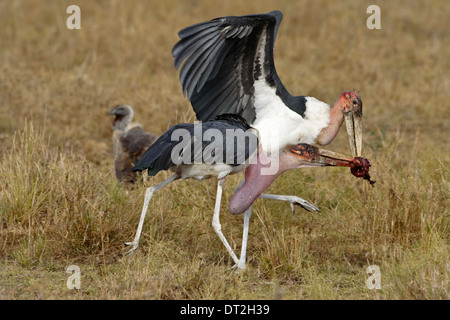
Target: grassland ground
(61, 205)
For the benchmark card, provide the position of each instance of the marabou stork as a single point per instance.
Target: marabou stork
(228, 67)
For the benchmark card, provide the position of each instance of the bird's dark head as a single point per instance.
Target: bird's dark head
(124, 114)
(351, 105)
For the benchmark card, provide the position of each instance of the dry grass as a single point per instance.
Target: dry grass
(60, 203)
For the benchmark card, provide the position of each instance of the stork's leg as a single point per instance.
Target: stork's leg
(242, 261)
(293, 200)
(239, 185)
(148, 195)
(216, 222)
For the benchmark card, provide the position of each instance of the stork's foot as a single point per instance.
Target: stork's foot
(239, 266)
(293, 201)
(297, 201)
(134, 246)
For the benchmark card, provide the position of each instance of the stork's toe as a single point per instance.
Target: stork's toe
(133, 245)
(302, 203)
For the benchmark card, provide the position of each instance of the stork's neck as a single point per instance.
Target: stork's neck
(328, 133)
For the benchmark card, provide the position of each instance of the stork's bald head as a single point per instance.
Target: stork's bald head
(124, 115)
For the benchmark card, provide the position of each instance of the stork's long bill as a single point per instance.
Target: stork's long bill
(353, 123)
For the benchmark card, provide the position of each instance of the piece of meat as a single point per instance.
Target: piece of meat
(360, 169)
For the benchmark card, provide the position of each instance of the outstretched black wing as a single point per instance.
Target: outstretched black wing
(222, 60)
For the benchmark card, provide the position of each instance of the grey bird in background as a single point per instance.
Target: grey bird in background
(130, 142)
